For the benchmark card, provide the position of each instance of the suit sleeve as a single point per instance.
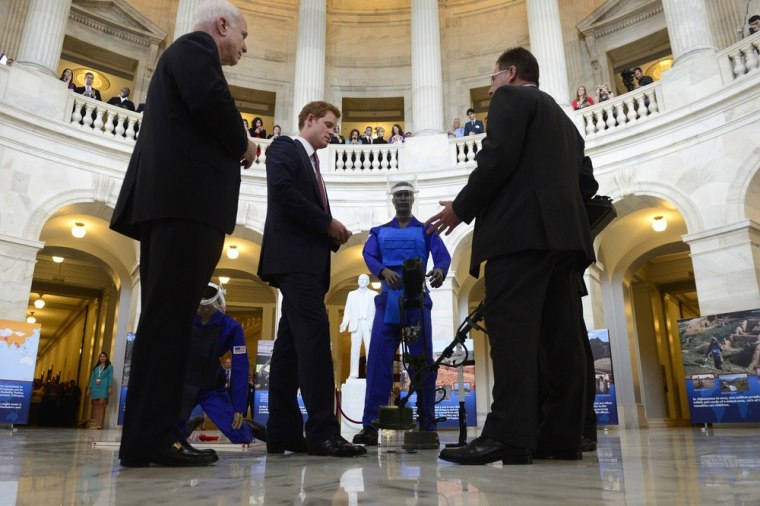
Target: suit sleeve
(202, 86)
(283, 162)
(508, 117)
(239, 378)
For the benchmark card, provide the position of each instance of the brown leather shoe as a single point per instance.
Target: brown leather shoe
(484, 450)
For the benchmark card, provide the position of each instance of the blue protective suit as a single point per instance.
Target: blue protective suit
(204, 378)
(387, 247)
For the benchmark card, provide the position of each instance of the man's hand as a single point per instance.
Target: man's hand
(343, 327)
(249, 156)
(392, 278)
(436, 277)
(445, 221)
(338, 232)
(237, 420)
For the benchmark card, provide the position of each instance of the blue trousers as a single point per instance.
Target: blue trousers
(383, 345)
(218, 407)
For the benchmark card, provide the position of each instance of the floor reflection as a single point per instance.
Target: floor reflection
(680, 466)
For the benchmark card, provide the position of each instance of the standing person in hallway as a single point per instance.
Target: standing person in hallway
(532, 228)
(299, 235)
(100, 388)
(178, 199)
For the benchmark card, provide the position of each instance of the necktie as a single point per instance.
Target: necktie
(320, 182)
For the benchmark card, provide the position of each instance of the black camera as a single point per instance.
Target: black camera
(413, 277)
(627, 75)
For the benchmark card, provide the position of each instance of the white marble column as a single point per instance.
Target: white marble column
(548, 47)
(427, 80)
(42, 40)
(688, 28)
(183, 23)
(17, 259)
(12, 27)
(726, 22)
(309, 80)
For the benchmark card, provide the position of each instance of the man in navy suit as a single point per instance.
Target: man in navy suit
(473, 126)
(532, 229)
(299, 234)
(87, 90)
(179, 198)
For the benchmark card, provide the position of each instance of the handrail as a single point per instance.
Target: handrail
(620, 112)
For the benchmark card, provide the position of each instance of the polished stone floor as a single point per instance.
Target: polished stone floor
(684, 466)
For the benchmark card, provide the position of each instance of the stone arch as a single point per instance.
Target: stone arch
(743, 195)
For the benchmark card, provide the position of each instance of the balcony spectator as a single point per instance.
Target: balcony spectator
(380, 139)
(140, 107)
(246, 127)
(474, 126)
(354, 137)
(88, 90)
(603, 93)
(257, 130)
(456, 129)
(276, 132)
(122, 100)
(367, 137)
(754, 24)
(641, 79)
(337, 138)
(581, 99)
(397, 135)
(67, 76)
(407, 135)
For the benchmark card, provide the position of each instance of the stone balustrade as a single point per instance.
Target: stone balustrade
(261, 152)
(462, 150)
(740, 59)
(103, 119)
(354, 158)
(617, 113)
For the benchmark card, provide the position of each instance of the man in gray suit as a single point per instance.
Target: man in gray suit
(531, 227)
(179, 198)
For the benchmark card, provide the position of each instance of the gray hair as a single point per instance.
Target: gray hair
(211, 10)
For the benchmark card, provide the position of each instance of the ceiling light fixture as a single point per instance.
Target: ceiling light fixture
(39, 303)
(78, 230)
(233, 252)
(375, 285)
(31, 318)
(659, 224)
(224, 279)
(57, 260)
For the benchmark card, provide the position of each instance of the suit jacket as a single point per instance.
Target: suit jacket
(295, 230)
(525, 193)
(186, 162)
(127, 104)
(81, 89)
(477, 128)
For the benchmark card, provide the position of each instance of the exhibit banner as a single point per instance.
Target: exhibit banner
(125, 375)
(605, 402)
(721, 362)
(18, 356)
(260, 405)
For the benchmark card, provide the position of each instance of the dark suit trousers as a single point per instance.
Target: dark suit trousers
(177, 259)
(532, 307)
(302, 358)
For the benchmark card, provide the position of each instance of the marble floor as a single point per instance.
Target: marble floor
(684, 466)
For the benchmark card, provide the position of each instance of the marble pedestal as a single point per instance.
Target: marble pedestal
(352, 403)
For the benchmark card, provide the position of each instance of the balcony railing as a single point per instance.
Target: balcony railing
(740, 59)
(363, 158)
(103, 119)
(462, 150)
(618, 112)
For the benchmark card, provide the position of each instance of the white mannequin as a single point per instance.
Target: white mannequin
(358, 317)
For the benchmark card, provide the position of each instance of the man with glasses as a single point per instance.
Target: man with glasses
(532, 230)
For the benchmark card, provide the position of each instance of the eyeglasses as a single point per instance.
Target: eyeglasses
(493, 76)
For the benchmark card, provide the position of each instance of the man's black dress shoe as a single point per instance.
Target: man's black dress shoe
(367, 436)
(557, 454)
(336, 446)
(258, 430)
(192, 449)
(297, 445)
(485, 450)
(174, 456)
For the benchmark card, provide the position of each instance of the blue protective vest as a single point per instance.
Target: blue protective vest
(397, 245)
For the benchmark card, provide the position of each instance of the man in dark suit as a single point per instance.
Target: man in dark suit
(531, 227)
(367, 137)
(179, 198)
(87, 90)
(122, 100)
(299, 234)
(473, 126)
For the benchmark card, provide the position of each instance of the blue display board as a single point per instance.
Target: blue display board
(18, 356)
(605, 402)
(260, 405)
(125, 375)
(721, 360)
